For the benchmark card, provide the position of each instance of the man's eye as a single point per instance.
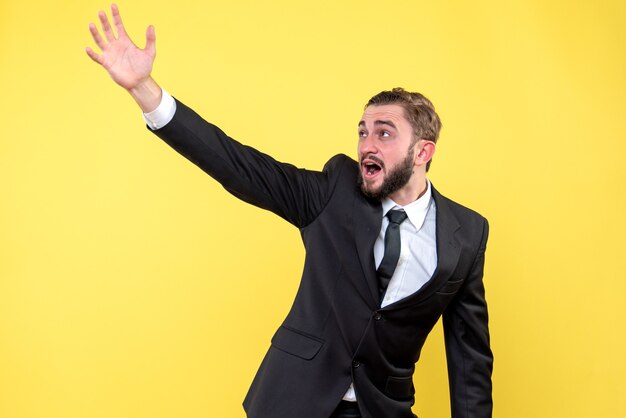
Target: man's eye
(362, 134)
(385, 134)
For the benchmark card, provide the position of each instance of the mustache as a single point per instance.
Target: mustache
(375, 159)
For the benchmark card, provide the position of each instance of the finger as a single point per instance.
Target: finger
(117, 20)
(96, 36)
(97, 58)
(150, 40)
(106, 27)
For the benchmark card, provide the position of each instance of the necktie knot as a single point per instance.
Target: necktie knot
(396, 216)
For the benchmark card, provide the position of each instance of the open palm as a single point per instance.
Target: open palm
(127, 64)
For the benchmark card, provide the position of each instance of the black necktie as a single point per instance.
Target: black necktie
(392, 249)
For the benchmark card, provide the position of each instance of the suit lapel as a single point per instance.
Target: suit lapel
(448, 252)
(448, 247)
(366, 222)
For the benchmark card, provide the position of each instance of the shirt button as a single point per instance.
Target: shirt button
(356, 364)
(378, 316)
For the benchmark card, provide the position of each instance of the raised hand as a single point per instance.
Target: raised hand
(128, 65)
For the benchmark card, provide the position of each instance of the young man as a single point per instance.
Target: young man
(387, 255)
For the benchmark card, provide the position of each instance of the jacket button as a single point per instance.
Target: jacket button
(378, 316)
(356, 364)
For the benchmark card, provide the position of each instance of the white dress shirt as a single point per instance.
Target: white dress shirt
(163, 114)
(418, 252)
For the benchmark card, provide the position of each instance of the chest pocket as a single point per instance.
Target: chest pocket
(451, 287)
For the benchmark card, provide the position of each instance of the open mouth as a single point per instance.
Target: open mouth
(371, 168)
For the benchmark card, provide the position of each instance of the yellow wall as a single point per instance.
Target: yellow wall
(122, 291)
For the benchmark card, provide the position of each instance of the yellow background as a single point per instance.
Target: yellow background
(132, 285)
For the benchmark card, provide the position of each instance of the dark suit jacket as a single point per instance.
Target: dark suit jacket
(336, 332)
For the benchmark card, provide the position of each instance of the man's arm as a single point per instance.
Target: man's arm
(470, 360)
(294, 194)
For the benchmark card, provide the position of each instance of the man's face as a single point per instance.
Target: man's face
(386, 150)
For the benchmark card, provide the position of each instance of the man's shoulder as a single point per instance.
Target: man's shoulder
(338, 162)
(341, 169)
(461, 212)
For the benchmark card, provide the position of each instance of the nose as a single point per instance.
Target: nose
(367, 145)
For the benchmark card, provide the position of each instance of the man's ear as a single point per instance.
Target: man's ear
(424, 152)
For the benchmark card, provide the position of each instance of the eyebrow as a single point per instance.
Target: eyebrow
(380, 122)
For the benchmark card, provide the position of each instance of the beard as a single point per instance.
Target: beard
(395, 180)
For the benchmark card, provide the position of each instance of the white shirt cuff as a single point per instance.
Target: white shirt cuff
(163, 114)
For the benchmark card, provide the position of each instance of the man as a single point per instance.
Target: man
(387, 255)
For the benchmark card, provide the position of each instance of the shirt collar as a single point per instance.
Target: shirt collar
(416, 211)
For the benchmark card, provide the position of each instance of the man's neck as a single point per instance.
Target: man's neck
(412, 191)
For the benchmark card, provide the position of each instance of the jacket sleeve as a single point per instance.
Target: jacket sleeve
(295, 194)
(470, 360)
